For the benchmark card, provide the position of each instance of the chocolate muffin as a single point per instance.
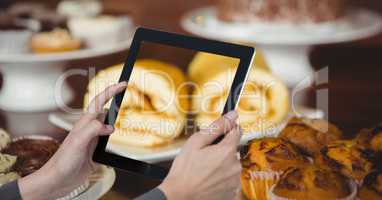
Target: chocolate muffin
(32, 153)
(372, 187)
(346, 157)
(371, 138)
(313, 183)
(310, 135)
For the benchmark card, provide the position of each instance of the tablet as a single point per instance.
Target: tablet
(169, 97)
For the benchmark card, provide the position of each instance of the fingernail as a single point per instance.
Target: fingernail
(123, 83)
(232, 115)
(109, 127)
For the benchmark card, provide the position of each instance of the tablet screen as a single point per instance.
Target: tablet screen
(168, 98)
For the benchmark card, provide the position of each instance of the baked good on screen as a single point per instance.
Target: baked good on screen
(310, 135)
(290, 11)
(313, 183)
(263, 104)
(371, 138)
(372, 187)
(153, 111)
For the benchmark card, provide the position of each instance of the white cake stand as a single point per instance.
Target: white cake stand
(285, 47)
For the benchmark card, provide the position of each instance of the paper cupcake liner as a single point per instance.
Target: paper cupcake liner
(76, 192)
(259, 183)
(14, 42)
(353, 195)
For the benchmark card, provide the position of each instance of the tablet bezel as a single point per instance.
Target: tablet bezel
(244, 53)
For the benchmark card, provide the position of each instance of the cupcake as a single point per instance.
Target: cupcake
(371, 138)
(372, 187)
(32, 152)
(58, 40)
(265, 161)
(346, 157)
(14, 36)
(313, 183)
(75, 9)
(310, 135)
(101, 31)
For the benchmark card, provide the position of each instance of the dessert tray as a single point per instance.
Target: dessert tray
(168, 152)
(285, 46)
(100, 182)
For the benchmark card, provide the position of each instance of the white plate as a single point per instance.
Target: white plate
(357, 24)
(101, 182)
(167, 152)
(70, 55)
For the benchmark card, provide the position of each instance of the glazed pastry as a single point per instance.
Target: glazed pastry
(8, 177)
(372, 187)
(287, 11)
(310, 135)
(6, 162)
(264, 163)
(371, 138)
(346, 157)
(313, 183)
(58, 40)
(32, 153)
(153, 102)
(5, 139)
(264, 102)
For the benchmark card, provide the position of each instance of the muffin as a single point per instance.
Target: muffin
(32, 153)
(372, 187)
(371, 138)
(266, 159)
(58, 40)
(313, 183)
(346, 157)
(310, 135)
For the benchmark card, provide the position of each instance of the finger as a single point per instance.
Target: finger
(96, 105)
(93, 129)
(233, 137)
(207, 136)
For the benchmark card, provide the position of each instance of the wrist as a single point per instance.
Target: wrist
(38, 185)
(173, 190)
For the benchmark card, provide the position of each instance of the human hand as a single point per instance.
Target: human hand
(72, 163)
(204, 171)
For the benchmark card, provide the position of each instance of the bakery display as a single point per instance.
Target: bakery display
(372, 187)
(346, 157)
(265, 161)
(55, 41)
(313, 183)
(284, 11)
(310, 135)
(263, 105)
(153, 111)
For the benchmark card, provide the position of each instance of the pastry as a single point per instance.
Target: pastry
(313, 183)
(32, 153)
(8, 177)
(5, 139)
(265, 161)
(6, 162)
(75, 9)
(310, 135)
(153, 111)
(264, 102)
(372, 187)
(58, 40)
(346, 157)
(101, 31)
(371, 138)
(286, 11)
